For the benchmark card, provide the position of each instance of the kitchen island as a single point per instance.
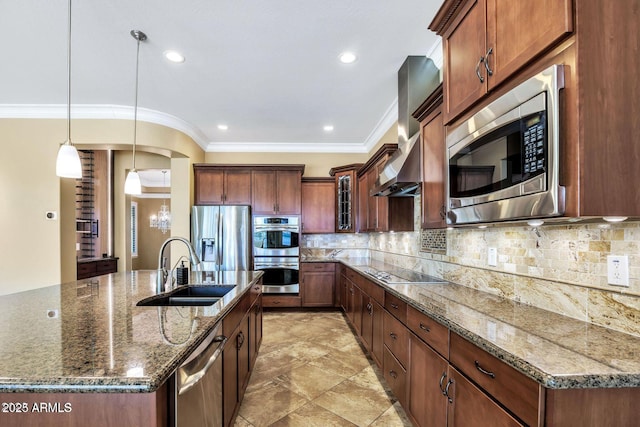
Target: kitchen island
(71, 351)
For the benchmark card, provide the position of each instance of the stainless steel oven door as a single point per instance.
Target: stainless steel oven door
(281, 274)
(276, 240)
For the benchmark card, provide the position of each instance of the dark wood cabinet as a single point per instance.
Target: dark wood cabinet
(277, 191)
(487, 41)
(222, 185)
(426, 405)
(434, 161)
(346, 197)
(243, 327)
(381, 213)
(317, 284)
(96, 267)
(318, 205)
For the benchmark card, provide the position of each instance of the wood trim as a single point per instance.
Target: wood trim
(382, 151)
(431, 104)
(338, 169)
(319, 179)
(445, 15)
(292, 167)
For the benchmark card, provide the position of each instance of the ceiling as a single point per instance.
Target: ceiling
(269, 70)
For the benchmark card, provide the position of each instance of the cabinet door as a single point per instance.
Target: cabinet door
(242, 344)
(255, 331)
(288, 191)
(514, 44)
(237, 184)
(346, 201)
(263, 197)
(363, 203)
(209, 187)
(343, 294)
(382, 203)
(427, 405)
(377, 332)
(464, 73)
(318, 207)
(468, 405)
(317, 288)
(367, 322)
(434, 163)
(230, 378)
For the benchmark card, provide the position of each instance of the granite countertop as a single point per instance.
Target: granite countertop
(89, 336)
(556, 351)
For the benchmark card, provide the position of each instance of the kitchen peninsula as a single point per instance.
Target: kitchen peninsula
(83, 353)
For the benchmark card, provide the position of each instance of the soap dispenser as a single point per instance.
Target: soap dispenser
(182, 274)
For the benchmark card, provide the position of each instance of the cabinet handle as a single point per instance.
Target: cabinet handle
(240, 340)
(393, 374)
(486, 62)
(276, 302)
(394, 336)
(395, 306)
(424, 327)
(484, 371)
(480, 61)
(446, 391)
(441, 387)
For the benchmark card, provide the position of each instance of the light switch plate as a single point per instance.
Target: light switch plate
(492, 257)
(618, 270)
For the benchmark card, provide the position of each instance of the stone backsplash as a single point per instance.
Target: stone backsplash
(561, 268)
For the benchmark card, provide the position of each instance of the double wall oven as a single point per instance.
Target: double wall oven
(276, 251)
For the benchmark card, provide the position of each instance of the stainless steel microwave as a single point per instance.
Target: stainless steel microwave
(504, 160)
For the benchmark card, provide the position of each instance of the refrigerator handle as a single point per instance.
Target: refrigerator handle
(221, 241)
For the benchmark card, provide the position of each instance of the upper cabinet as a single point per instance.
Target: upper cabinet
(277, 190)
(346, 197)
(222, 185)
(318, 205)
(487, 41)
(433, 161)
(381, 213)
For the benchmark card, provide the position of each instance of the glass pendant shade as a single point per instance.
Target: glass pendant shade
(132, 184)
(68, 163)
(161, 221)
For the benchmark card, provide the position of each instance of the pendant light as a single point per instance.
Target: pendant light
(68, 163)
(132, 184)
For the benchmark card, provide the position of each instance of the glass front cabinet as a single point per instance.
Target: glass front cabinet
(345, 177)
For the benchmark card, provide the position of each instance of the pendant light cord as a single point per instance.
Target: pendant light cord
(69, 79)
(135, 108)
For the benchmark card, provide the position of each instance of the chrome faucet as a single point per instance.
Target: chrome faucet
(163, 274)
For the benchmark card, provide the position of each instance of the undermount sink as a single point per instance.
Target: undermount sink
(188, 295)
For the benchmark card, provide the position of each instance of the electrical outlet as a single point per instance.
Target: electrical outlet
(492, 257)
(618, 270)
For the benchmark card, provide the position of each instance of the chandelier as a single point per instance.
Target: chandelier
(162, 221)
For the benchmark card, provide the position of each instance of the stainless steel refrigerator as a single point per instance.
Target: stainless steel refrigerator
(221, 236)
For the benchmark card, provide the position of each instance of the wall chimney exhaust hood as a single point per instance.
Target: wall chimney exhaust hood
(418, 77)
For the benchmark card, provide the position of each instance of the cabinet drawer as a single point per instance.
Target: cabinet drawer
(232, 319)
(373, 290)
(396, 338)
(269, 300)
(104, 267)
(396, 306)
(86, 269)
(356, 278)
(514, 390)
(430, 331)
(396, 376)
(318, 266)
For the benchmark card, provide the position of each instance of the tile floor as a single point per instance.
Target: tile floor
(311, 371)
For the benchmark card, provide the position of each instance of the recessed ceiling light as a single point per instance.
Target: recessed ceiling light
(347, 57)
(328, 128)
(174, 56)
(223, 127)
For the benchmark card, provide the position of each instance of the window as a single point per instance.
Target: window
(134, 229)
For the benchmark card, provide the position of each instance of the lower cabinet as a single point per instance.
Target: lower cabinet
(317, 284)
(243, 326)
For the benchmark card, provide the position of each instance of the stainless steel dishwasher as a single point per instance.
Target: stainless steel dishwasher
(198, 385)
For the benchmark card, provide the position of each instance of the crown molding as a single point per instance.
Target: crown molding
(286, 147)
(101, 112)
